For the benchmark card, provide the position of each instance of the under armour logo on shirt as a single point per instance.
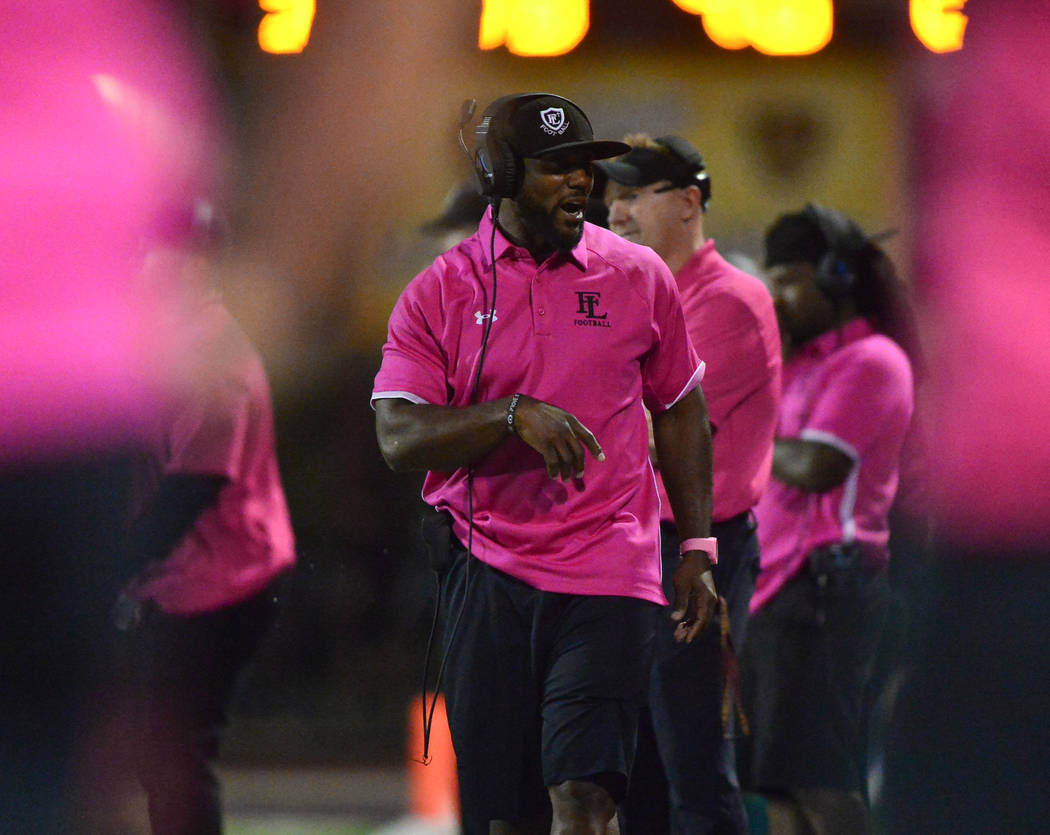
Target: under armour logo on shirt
(481, 317)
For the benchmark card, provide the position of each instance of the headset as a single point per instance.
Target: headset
(498, 168)
(688, 154)
(835, 272)
(499, 171)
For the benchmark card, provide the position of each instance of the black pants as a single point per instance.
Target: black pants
(542, 688)
(186, 671)
(805, 668)
(684, 780)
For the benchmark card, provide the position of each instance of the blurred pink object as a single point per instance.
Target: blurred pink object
(984, 267)
(105, 118)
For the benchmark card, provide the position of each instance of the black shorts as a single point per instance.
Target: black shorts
(804, 668)
(541, 688)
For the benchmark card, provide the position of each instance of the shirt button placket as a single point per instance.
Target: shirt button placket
(540, 304)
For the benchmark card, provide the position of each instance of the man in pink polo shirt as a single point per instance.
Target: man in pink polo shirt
(209, 538)
(523, 352)
(684, 779)
(820, 599)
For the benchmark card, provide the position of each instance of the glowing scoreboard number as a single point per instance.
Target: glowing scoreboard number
(285, 27)
(555, 27)
(774, 27)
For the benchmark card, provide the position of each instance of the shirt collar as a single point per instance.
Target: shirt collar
(503, 245)
(700, 265)
(830, 341)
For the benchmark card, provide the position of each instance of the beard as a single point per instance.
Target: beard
(549, 225)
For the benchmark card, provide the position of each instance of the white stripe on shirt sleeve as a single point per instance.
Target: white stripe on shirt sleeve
(832, 441)
(398, 395)
(849, 487)
(694, 381)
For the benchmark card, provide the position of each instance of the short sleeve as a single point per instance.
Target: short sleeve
(672, 368)
(869, 394)
(414, 364)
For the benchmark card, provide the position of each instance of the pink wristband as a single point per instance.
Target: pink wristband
(707, 544)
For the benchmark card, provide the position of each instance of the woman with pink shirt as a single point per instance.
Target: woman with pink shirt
(821, 596)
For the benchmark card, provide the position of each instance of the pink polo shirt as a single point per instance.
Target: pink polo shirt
(850, 388)
(596, 332)
(220, 426)
(733, 326)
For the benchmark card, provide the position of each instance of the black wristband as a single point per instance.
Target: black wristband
(512, 407)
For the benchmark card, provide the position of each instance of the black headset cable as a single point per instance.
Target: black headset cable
(428, 714)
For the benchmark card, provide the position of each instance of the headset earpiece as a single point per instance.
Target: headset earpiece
(491, 164)
(834, 277)
(834, 273)
(507, 168)
(499, 170)
(495, 163)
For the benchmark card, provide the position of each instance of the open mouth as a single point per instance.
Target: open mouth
(574, 208)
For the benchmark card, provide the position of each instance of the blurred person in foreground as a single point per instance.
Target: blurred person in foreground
(210, 535)
(684, 780)
(822, 595)
(80, 370)
(969, 744)
(528, 348)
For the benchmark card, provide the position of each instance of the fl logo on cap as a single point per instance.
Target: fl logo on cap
(554, 121)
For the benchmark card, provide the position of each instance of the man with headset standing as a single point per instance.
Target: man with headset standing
(518, 352)
(684, 779)
(821, 597)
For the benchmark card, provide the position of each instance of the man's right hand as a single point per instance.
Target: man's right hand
(557, 435)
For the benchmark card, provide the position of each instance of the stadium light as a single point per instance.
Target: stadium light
(939, 25)
(790, 27)
(724, 21)
(285, 28)
(534, 28)
(493, 30)
(773, 27)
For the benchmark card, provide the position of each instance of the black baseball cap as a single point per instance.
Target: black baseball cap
(680, 163)
(549, 123)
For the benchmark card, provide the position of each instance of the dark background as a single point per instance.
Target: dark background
(332, 683)
(324, 192)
